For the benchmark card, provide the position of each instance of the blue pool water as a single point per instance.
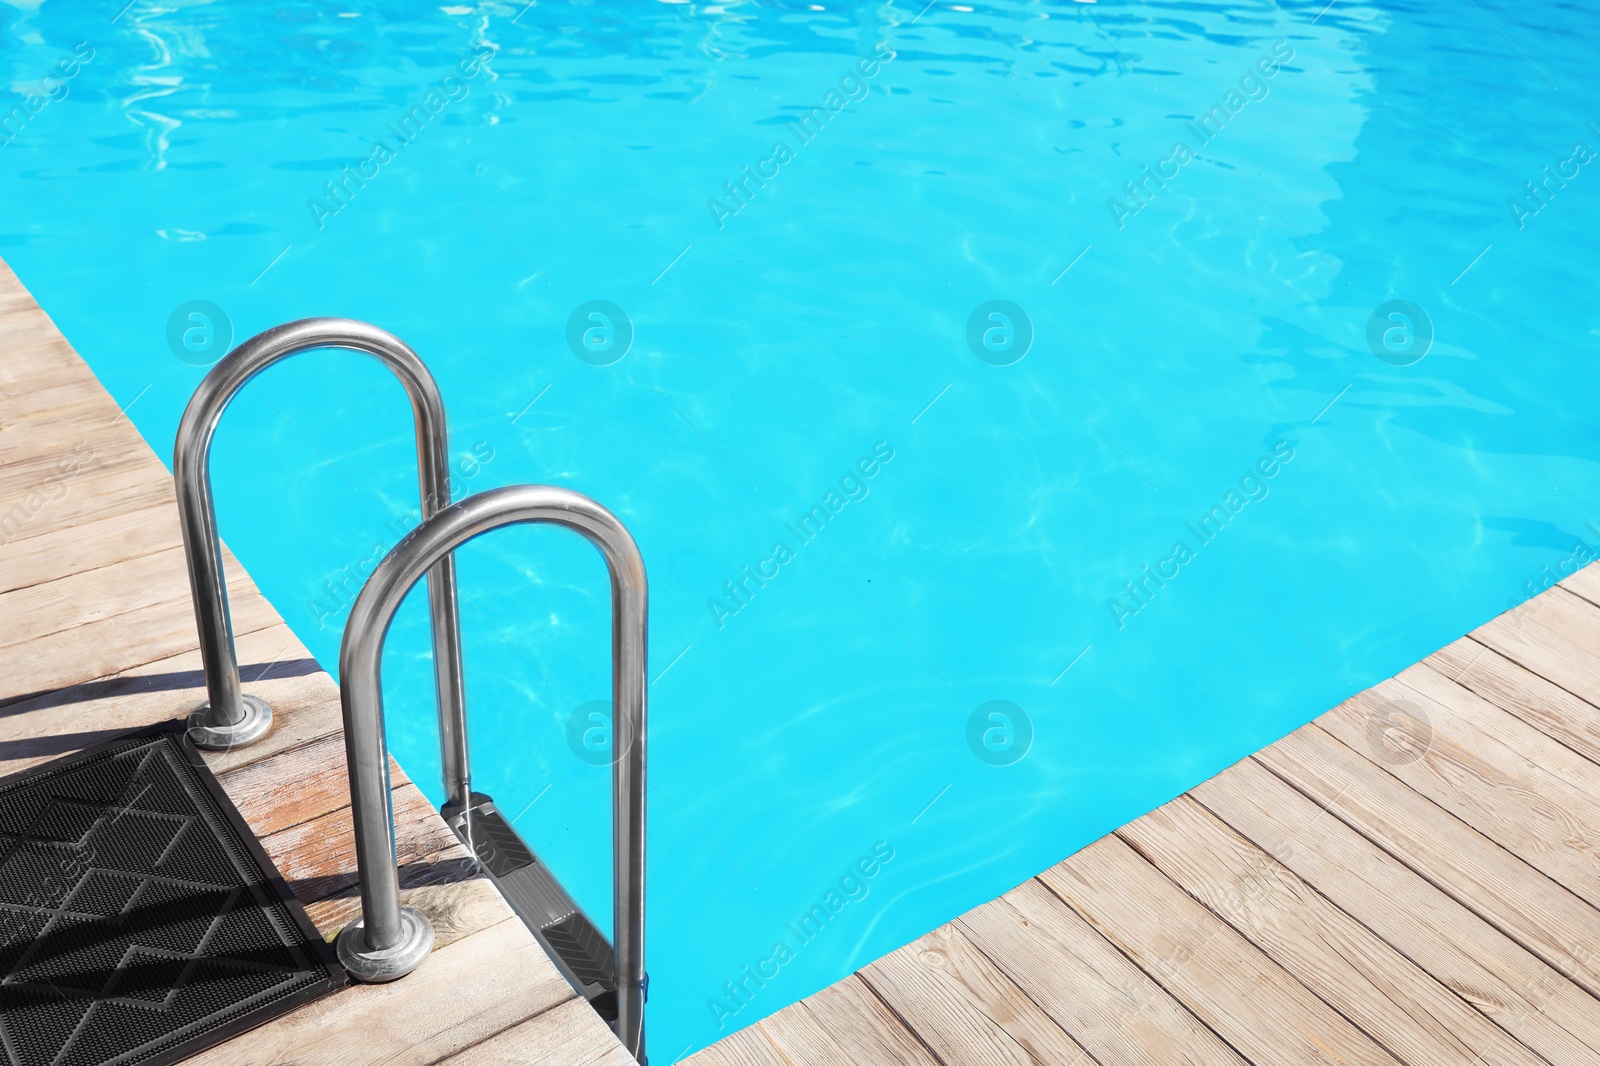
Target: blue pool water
(1202, 344)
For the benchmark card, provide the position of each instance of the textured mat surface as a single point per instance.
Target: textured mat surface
(139, 920)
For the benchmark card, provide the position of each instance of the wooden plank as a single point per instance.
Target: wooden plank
(442, 882)
(37, 356)
(1501, 776)
(91, 545)
(571, 1034)
(23, 370)
(93, 432)
(320, 785)
(37, 417)
(427, 1016)
(1585, 583)
(27, 409)
(92, 596)
(34, 348)
(748, 1047)
(317, 857)
(41, 372)
(139, 636)
(13, 297)
(799, 1037)
(858, 1021)
(24, 309)
(1529, 999)
(53, 467)
(1491, 770)
(19, 301)
(1546, 706)
(1570, 616)
(1534, 911)
(1240, 993)
(296, 720)
(276, 667)
(19, 376)
(964, 1008)
(1535, 639)
(1111, 1007)
(90, 496)
(1385, 994)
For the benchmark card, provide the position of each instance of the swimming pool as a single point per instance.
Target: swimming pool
(1002, 468)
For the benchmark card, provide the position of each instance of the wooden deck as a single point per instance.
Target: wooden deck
(1382, 886)
(97, 636)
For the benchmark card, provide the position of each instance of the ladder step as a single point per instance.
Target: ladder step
(584, 948)
(582, 953)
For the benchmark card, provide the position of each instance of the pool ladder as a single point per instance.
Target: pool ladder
(389, 940)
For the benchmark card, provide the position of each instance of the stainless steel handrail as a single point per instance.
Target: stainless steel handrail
(230, 718)
(390, 940)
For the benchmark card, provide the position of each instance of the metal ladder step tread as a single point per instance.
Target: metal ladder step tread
(583, 954)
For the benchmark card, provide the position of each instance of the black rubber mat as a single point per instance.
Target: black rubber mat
(140, 922)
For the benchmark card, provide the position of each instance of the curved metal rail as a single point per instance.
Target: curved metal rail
(390, 940)
(230, 718)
